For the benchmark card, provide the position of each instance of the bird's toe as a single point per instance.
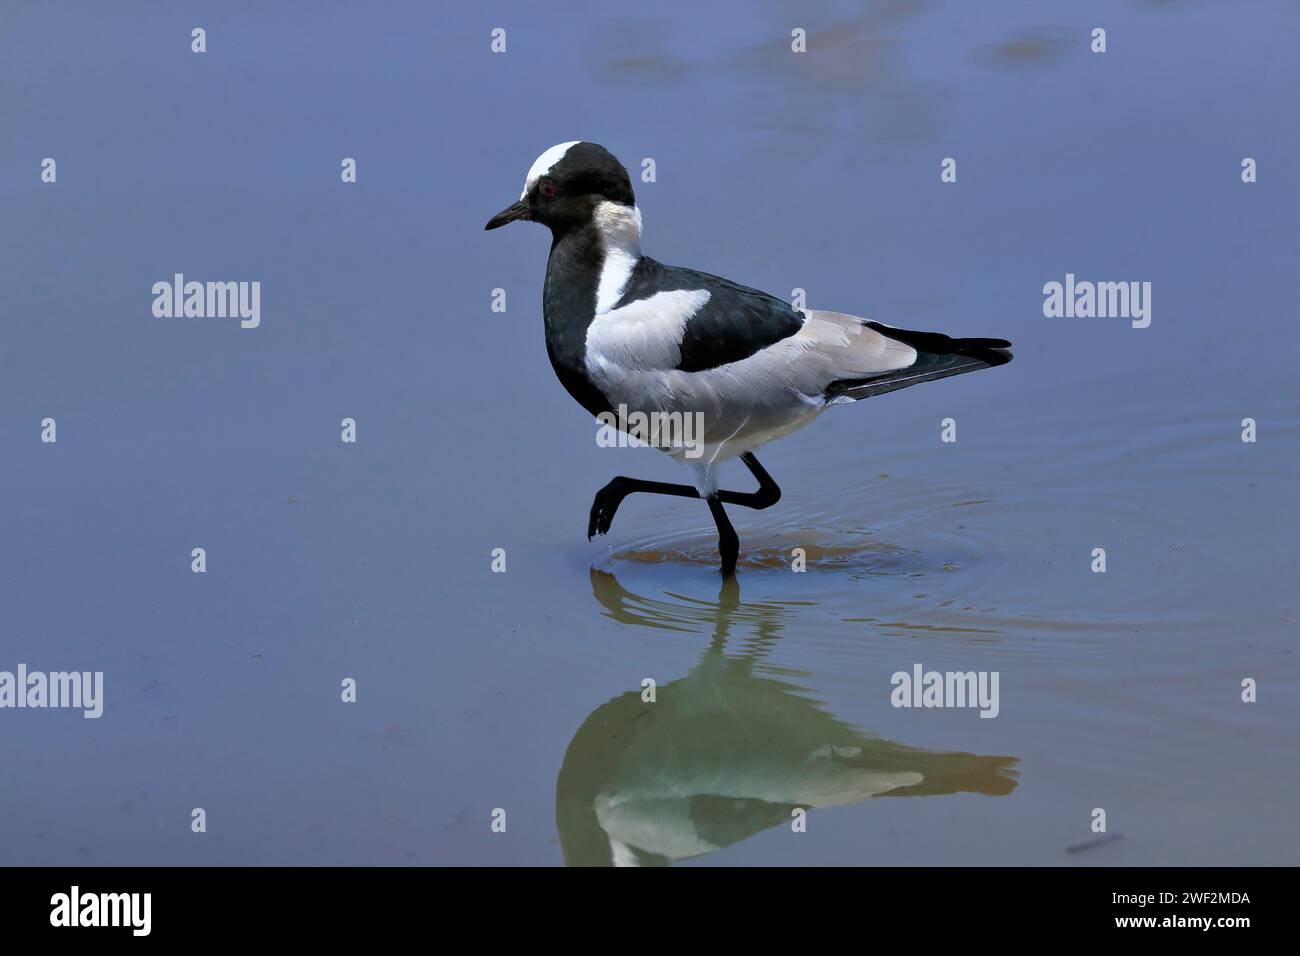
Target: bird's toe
(603, 508)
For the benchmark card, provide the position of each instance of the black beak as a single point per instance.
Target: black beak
(512, 212)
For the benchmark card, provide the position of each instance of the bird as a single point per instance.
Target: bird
(628, 335)
(730, 749)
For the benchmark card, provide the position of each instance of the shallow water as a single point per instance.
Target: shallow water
(523, 690)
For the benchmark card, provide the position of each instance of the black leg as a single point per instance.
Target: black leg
(611, 496)
(728, 540)
(767, 495)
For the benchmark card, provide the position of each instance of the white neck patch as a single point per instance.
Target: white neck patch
(543, 164)
(620, 238)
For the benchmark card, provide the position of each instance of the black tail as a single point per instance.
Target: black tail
(937, 356)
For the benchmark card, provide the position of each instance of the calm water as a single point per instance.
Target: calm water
(522, 690)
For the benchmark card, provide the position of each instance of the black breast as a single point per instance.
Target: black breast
(568, 308)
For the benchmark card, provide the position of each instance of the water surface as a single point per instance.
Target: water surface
(523, 691)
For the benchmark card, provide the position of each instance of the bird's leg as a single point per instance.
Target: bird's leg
(728, 541)
(611, 496)
(767, 494)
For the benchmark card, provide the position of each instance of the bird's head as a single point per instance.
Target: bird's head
(566, 187)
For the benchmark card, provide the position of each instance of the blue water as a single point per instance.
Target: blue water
(522, 691)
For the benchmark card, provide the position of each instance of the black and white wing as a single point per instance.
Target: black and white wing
(752, 366)
(669, 318)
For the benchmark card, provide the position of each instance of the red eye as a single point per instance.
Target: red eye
(547, 189)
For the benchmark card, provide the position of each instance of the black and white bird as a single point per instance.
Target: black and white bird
(626, 334)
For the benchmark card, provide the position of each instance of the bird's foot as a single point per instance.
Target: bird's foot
(604, 506)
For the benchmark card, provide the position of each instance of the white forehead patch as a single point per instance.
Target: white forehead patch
(544, 163)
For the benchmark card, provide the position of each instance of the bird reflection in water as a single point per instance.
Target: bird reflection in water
(724, 753)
